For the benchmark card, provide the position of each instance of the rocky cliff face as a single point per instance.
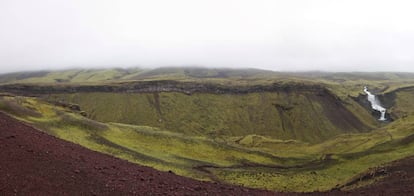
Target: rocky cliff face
(158, 86)
(398, 103)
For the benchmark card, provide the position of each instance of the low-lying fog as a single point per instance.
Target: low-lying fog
(353, 35)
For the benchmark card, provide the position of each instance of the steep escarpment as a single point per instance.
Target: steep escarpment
(400, 102)
(157, 86)
(302, 112)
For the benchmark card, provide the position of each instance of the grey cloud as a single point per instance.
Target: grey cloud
(278, 35)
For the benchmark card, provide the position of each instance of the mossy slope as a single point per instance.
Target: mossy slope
(301, 115)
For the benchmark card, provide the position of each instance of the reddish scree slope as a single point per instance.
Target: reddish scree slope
(34, 163)
(398, 180)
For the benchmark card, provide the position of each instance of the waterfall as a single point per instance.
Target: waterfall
(375, 104)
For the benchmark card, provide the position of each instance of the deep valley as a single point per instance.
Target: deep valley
(284, 132)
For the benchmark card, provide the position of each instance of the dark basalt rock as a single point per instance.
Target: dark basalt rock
(387, 101)
(83, 113)
(71, 106)
(159, 86)
(74, 107)
(283, 107)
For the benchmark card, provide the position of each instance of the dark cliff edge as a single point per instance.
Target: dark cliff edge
(159, 86)
(388, 99)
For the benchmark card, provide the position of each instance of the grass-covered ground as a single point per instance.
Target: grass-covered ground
(252, 160)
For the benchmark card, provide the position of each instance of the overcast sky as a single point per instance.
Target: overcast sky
(329, 35)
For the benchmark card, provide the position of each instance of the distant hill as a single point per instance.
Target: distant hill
(118, 74)
(191, 73)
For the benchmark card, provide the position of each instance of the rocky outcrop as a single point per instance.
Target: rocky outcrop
(363, 101)
(388, 100)
(159, 86)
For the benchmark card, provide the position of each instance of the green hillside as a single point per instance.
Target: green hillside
(382, 80)
(118, 74)
(299, 115)
(280, 131)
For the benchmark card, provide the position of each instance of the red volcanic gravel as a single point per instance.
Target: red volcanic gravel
(34, 163)
(398, 180)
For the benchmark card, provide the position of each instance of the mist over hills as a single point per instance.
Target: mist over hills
(183, 73)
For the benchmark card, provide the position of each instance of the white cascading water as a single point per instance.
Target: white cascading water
(375, 104)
